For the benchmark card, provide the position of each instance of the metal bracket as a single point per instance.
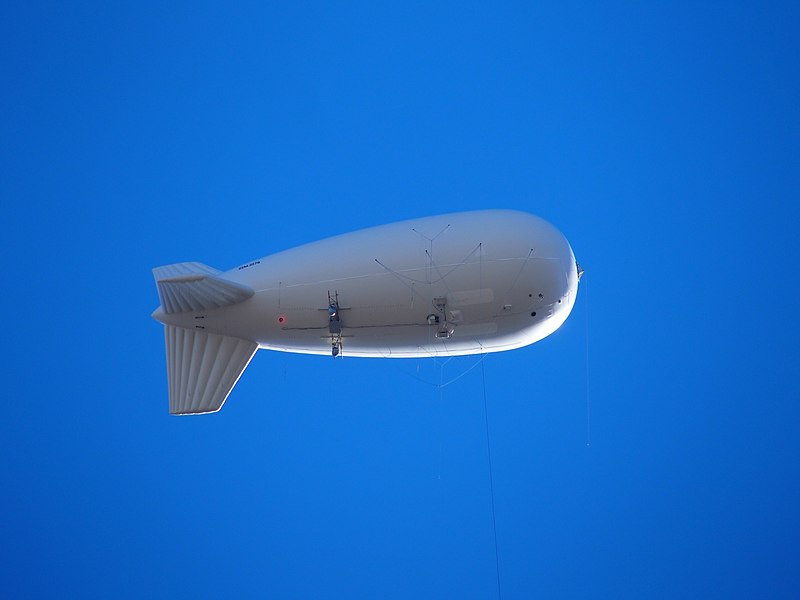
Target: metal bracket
(334, 323)
(445, 330)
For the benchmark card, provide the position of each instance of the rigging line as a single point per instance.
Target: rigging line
(438, 272)
(491, 481)
(521, 268)
(457, 265)
(446, 227)
(430, 242)
(480, 265)
(449, 358)
(400, 278)
(441, 365)
(453, 268)
(588, 407)
(457, 377)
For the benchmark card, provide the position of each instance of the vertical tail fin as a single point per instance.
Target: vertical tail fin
(202, 368)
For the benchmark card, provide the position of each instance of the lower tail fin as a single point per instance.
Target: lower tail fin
(202, 368)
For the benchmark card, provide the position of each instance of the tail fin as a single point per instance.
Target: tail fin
(202, 368)
(195, 286)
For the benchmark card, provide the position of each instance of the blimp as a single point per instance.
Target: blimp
(455, 284)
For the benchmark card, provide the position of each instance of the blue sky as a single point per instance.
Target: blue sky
(662, 140)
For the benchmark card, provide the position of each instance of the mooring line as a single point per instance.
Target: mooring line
(588, 406)
(491, 482)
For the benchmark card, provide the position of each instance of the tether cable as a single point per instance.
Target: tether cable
(491, 481)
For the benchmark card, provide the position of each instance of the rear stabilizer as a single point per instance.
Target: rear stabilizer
(202, 368)
(193, 286)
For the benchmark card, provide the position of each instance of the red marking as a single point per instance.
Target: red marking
(281, 319)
